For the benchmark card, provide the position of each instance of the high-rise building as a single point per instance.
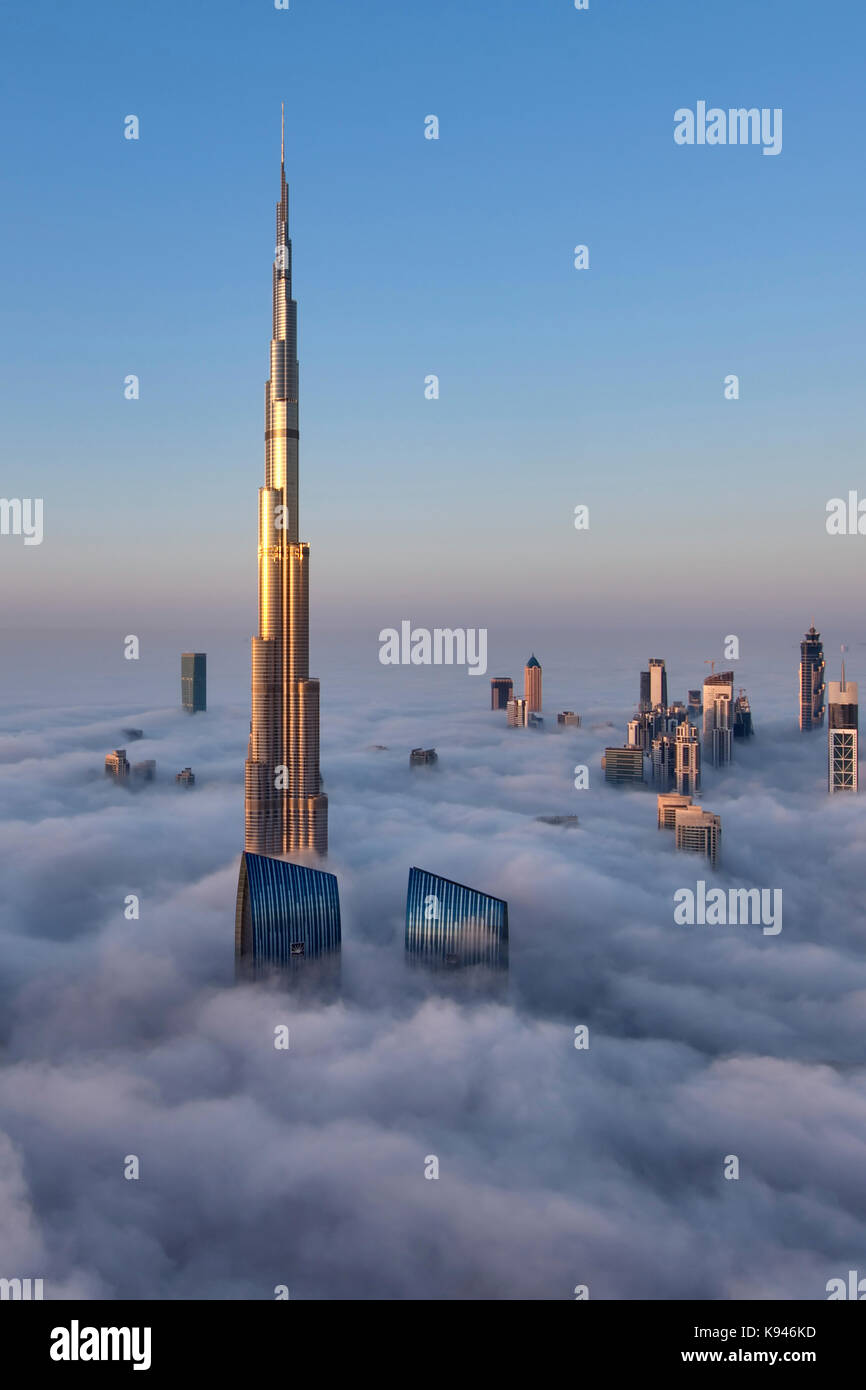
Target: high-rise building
(117, 765)
(645, 726)
(663, 760)
(448, 924)
(675, 715)
(668, 805)
(501, 691)
(532, 685)
(842, 722)
(287, 916)
(743, 727)
(623, 765)
(698, 831)
(658, 679)
(687, 761)
(812, 669)
(569, 719)
(644, 702)
(517, 713)
(286, 808)
(193, 681)
(695, 701)
(718, 717)
(423, 757)
(186, 777)
(145, 771)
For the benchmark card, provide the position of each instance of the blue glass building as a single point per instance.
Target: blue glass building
(287, 916)
(450, 925)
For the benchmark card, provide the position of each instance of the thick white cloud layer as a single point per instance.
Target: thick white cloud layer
(306, 1168)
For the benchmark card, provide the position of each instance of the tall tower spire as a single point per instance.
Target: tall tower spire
(286, 811)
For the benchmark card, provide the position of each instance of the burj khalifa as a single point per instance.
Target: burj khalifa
(286, 811)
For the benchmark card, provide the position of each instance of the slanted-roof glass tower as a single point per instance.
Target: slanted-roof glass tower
(287, 915)
(448, 924)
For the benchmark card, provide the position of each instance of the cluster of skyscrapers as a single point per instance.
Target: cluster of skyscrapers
(664, 735)
(525, 712)
(288, 913)
(118, 768)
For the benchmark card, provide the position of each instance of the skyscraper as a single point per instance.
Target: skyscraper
(743, 727)
(812, 669)
(117, 765)
(448, 924)
(286, 809)
(718, 717)
(668, 805)
(287, 915)
(644, 701)
(687, 761)
(698, 831)
(623, 765)
(658, 683)
(532, 685)
(842, 732)
(663, 760)
(501, 690)
(193, 681)
(517, 714)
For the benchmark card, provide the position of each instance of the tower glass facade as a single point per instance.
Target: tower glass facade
(448, 924)
(812, 687)
(286, 915)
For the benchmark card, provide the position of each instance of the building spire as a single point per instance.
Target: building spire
(283, 133)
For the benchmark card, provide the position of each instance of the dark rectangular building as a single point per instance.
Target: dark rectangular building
(193, 681)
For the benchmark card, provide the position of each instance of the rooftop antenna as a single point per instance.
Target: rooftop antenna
(282, 132)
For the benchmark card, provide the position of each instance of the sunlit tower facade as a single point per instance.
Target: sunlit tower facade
(286, 811)
(842, 732)
(532, 685)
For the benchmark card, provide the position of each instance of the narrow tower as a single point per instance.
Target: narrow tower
(532, 684)
(286, 810)
(842, 701)
(811, 680)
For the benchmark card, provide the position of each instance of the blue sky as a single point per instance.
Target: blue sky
(451, 257)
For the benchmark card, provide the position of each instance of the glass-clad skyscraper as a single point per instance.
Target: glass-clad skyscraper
(287, 915)
(450, 925)
(812, 684)
(193, 681)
